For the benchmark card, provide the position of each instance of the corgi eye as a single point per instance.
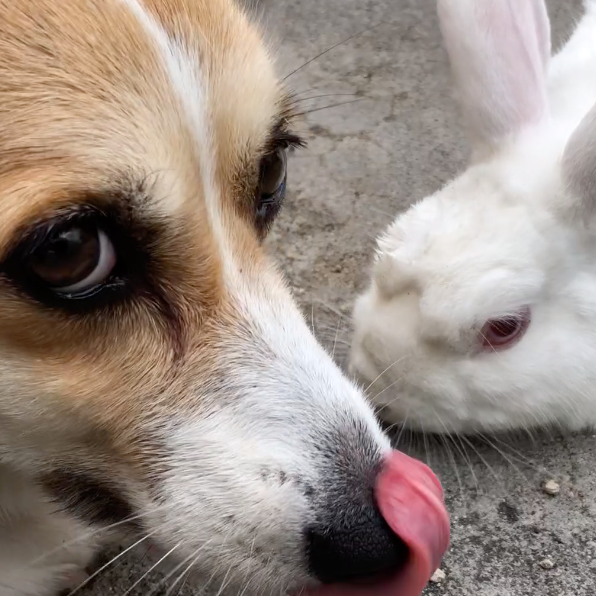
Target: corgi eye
(271, 189)
(502, 333)
(73, 261)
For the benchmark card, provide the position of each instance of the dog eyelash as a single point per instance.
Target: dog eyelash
(36, 235)
(281, 137)
(287, 140)
(119, 228)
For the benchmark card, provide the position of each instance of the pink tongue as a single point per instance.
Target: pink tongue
(410, 498)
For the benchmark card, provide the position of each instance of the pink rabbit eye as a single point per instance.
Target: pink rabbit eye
(500, 334)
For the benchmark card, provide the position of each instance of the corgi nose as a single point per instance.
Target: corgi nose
(357, 544)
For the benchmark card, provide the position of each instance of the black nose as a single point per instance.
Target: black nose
(356, 544)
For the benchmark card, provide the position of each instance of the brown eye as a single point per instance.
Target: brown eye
(74, 260)
(272, 187)
(502, 333)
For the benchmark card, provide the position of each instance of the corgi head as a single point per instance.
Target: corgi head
(153, 365)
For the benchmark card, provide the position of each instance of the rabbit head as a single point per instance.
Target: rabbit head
(481, 310)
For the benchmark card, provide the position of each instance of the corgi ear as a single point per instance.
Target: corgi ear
(579, 165)
(499, 52)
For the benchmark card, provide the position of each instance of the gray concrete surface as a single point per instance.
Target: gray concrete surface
(365, 162)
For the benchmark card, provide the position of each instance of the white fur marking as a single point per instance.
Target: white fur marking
(185, 75)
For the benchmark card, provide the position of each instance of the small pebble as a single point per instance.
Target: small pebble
(551, 487)
(546, 564)
(438, 576)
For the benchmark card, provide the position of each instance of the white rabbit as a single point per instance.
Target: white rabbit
(481, 311)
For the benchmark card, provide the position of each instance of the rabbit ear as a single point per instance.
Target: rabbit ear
(579, 164)
(499, 52)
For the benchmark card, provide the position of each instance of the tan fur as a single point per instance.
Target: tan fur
(199, 402)
(84, 103)
(82, 108)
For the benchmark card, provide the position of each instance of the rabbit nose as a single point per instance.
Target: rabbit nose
(356, 544)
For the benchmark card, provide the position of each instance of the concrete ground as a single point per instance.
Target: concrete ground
(367, 161)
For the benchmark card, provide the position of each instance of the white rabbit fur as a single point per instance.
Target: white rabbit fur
(517, 229)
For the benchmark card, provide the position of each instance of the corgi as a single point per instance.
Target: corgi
(155, 373)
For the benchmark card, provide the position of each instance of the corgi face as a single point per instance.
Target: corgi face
(153, 364)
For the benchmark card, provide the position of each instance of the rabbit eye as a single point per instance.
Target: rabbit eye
(502, 333)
